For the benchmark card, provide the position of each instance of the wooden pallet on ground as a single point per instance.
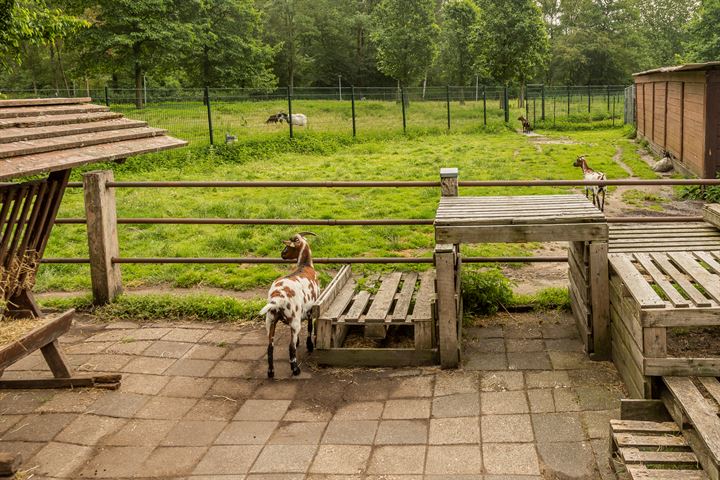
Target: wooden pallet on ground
(404, 300)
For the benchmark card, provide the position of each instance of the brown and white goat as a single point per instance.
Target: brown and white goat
(291, 298)
(525, 124)
(278, 117)
(598, 191)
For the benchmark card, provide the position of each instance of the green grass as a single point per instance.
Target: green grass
(500, 154)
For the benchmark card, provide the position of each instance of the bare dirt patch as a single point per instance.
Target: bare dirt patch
(703, 342)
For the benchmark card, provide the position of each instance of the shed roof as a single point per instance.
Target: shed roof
(682, 68)
(41, 135)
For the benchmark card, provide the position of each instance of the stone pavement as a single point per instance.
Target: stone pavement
(195, 404)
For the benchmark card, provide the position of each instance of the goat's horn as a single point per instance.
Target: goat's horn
(307, 233)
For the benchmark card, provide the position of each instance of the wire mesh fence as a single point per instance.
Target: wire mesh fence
(242, 114)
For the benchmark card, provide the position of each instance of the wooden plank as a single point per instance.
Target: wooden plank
(402, 305)
(711, 214)
(56, 360)
(643, 473)
(673, 295)
(51, 110)
(633, 440)
(698, 298)
(376, 357)
(340, 302)
(44, 383)
(520, 233)
(47, 120)
(25, 102)
(635, 282)
(709, 260)
(424, 298)
(633, 455)
(600, 300)
(331, 290)
(384, 298)
(712, 386)
(24, 134)
(709, 282)
(39, 337)
(690, 317)
(358, 307)
(654, 342)
(629, 371)
(628, 426)
(705, 420)
(682, 366)
(445, 257)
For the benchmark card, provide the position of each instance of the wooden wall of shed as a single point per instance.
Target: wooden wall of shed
(673, 110)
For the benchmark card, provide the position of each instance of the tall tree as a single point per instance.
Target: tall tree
(405, 34)
(663, 27)
(458, 42)
(704, 42)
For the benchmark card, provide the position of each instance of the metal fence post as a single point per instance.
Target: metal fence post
(447, 102)
(527, 107)
(608, 97)
(289, 99)
(589, 97)
(568, 100)
(352, 105)
(484, 107)
(613, 111)
(506, 104)
(543, 102)
(102, 236)
(534, 105)
(107, 97)
(402, 101)
(209, 114)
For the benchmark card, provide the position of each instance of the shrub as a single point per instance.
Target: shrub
(710, 194)
(484, 291)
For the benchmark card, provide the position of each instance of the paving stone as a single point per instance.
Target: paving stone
(223, 338)
(227, 460)
(547, 379)
(148, 333)
(172, 461)
(31, 362)
(596, 423)
(476, 333)
(262, 410)
(598, 398)
(142, 433)
(541, 400)
(360, 411)
(557, 427)
(186, 367)
(459, 405)
(528, 361)
(246, 433)
(396, 459)
(560, 331)
(407, 409)
(447, 431)
(510, 459)
(566, 400)
(569, 360)
(340, 459)
(522, 331)
(413, 387)
(496, 403)
(501, 381)
(237, 389)
(39, 427)
(148, 365)
(486, 361)
(506, 428)
(284, 458)
(215, 409)
(59, 459)
(372, 389)
(350, 432)
(567, 460)
(256, 337)
(298, 433)
(165, 349)
(225, 369)
(72, 401)
(105, 363)
(109, 336)
(190, 387)
(26, 449)
(453, 459)
(188, 433)
(564, 345)
(119, 404)
(602, 459)
(402, 432)
(205, 352)
(265, 476)
(600, 373)
(115, 462)
(121, 326)
(87, 347)
(515, 345)
(143, 384)
(451, 382)
(166, 408)
(488, 345)
(299, 411)
(247, 352)
(135, 347)
(89, 429)
(281, 390)
(7, 421)
(185, 335)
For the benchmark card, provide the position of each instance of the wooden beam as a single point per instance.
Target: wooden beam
(600, 300)
(41, 336)
(447, 305)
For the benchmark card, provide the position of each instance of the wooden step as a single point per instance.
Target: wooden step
(643, 473)
(625, 426)
(46, 120)
(51, 110)
(75, 141)
(8, 135)
(73, 157)
(635, 455)
(25, 102)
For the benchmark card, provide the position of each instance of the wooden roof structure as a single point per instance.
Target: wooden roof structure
(43, 135)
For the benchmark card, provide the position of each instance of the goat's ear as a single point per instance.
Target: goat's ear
(287, 243)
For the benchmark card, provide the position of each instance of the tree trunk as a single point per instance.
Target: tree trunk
(52, 67)
(462, 95)
(138, 86)
(206, 67)
(60, 67)
(521, 96)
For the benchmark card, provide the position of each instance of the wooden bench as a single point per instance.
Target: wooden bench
(651, 292)
(404, 300)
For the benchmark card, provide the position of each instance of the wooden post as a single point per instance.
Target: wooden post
(449, 182)
(600, 300)
(352, 106)
(446, 305)
(102, 236)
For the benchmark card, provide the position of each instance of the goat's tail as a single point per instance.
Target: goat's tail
(269, 306)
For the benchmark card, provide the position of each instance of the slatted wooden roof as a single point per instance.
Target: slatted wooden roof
(42, 135)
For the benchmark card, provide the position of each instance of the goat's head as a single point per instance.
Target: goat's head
(522, 119)
(295, 245)
(579, 161)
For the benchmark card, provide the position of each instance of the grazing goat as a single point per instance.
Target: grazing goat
(297, 119)
(291, 299)
(598, 191)
(230, 138)
(278, 117)
(525, 124)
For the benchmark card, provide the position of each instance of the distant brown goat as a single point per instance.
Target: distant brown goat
(525, 124)
(278, 117)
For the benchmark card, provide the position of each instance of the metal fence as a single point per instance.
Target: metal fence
(630, 117)
(210, 115)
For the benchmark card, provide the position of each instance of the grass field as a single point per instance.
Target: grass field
(495, 154)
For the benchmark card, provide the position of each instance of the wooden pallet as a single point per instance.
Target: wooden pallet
(652, 450)
(711, 214)
(403, 300)
(663, 237)
(651, 292)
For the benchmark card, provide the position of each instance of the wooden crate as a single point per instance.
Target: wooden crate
(651, 292)
(711, 214)
(405, 300)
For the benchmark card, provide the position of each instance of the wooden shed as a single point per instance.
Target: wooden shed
(678, 111)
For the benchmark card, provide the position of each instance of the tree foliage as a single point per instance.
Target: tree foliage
(703, 44)
(459, 55)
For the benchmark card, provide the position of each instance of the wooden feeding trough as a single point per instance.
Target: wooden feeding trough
(651, 292)
(402, 301)
(41, 136)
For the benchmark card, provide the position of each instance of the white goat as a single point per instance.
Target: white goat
(297, 119)
(291, 299)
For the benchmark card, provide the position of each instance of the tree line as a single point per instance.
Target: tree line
(261, 44)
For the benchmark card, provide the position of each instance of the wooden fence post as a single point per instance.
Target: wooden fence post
(448, 285)
(449, 182)
(102, 236)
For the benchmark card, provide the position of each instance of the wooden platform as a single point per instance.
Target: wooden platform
(663, 237)
(401, 300)
(651, 292)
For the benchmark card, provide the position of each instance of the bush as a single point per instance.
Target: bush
(484, 291)
(710, 194)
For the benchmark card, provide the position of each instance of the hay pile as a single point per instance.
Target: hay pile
(12, 329)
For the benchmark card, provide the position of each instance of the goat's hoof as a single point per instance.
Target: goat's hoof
(271, 374)
(296, 371)
(310, 346)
